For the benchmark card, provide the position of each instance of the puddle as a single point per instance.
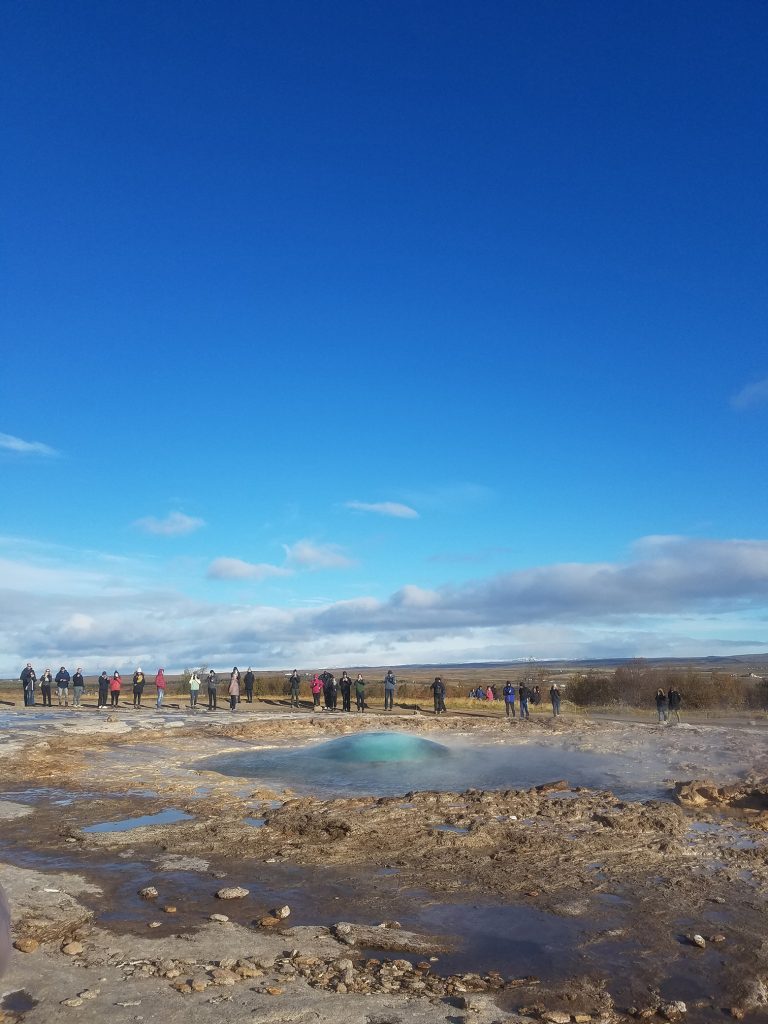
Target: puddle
(18, 1002)
(256, 822)
(451, 828)
(166, 817)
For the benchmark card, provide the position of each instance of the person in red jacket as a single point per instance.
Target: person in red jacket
(114, 689)
(160, 684)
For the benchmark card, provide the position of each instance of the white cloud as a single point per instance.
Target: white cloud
(175, 524)
(237, 569)
(751, 395)
(10, 443)
(384, 508)
(671, 596)
(305, 554)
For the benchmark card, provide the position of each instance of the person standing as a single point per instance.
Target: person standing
(160, 684)
(194, 689)
(248, 679)
(46, 679)
(360, 692)
(554, 696)
(525, 695)
(294, 681)
(509, 699)
(234, 690)
(345, 685)
(316, 686)
(234, 677)
(114, 689)
(489, 693)
(78, 687)
(661, 705)
(62, 686)
(212, 691)
(674, 701)
(138, 687)
(28, 680)
(389, 690)
(438, 695)
(103, 690)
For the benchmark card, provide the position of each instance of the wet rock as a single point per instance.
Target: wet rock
(281, 912)
(233, 892)
(399, 940)
(169, 910)
(26, 945)
(269, 921)
(154, 924)
(673, 1010)
(149, 892)
(72, 948)
(219, 918)
(553, 787)
(698, 940)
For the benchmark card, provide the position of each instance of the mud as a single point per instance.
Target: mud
(534, 901)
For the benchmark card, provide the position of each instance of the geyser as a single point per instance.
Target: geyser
(372, 747)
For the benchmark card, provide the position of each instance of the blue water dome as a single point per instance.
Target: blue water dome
(371, 747)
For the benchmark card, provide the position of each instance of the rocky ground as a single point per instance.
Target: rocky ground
(653, 909)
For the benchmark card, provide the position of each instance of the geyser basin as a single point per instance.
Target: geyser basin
(375, 747)
(390, 764)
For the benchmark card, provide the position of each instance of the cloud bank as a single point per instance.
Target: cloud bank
(237, 569)
(673, 595)
(305, 554)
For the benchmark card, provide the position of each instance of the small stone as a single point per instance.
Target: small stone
(717, 938)
(341, 988)
(182, 986)
(172, 972)
(149, 892)
(269, 922)
(154, 924)
(234, 892)
(169, 910)
(698, 940)
(72, 948)
(26, 945)
(275, 991)
(281, 912)
(219, 918)
(557, 1017)
(72, 1002)
(199, 984)
(89, 993)
(673, 1010)
(582, 1018)
(223, 976)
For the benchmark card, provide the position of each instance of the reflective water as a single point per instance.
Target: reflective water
(166, 817)
(388, 764)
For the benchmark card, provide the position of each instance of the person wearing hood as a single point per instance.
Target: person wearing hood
(509, 698)
(114, 689)
(138, 687)
(160, 684)
(438, 694)
(554, 696)
(103, 690)
(316, 686)
(78, 687)
(249, 679)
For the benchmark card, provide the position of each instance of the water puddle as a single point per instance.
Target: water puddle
(255, 822)
(18, 1002)
(451, 828)
(167, 817)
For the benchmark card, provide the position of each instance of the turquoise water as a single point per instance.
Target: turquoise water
(392, 763)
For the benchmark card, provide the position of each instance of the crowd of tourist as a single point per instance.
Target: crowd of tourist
(323, 687)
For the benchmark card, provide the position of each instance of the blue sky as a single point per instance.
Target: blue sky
(375, 332)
